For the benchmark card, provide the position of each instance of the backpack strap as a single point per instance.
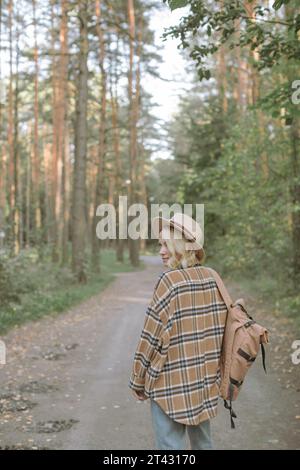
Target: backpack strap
(228, 301)
(263, 355)
(221, 286)
(225, 294)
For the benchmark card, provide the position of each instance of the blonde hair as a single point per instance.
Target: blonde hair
(179, 255)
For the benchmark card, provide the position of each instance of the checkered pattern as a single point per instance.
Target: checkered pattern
(176, 362)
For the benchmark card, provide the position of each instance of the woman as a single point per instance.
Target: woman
(176, 363)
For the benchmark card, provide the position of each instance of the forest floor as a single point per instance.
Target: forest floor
(65, 383)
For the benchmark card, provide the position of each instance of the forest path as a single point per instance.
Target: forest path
(65, 384)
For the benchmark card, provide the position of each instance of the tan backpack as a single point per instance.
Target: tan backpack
(242, 339)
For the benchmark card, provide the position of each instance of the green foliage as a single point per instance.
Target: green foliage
(251, 240)
(8, 291)
(163, 181)
(174, 4)
(274, 37)
(226, 160)
(32, 289)
(279, 3)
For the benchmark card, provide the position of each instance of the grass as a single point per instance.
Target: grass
(276, 296)
(44, 288)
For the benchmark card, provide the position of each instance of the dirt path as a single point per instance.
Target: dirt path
(65, 384)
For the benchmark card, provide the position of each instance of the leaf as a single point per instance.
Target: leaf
(174, 4)
(278, 3)
(275, 113)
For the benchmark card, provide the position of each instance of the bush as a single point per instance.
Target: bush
(8, 291)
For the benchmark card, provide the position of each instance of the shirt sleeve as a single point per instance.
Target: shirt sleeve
(150, 336)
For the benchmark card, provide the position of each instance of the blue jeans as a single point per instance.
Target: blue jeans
(170, 434)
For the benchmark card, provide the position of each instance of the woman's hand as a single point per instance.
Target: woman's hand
(139, 395)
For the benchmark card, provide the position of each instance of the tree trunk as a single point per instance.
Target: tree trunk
(291, 75)
(11, 182)
(17, 197)
(221, 75)
(100, 178)
(47, 153)
(66, 178)
(36, 159)
(2, 156)
(132, 244)
(28, 190)
(55, 128)
(61, 194)
(117, 155)
(79, 194)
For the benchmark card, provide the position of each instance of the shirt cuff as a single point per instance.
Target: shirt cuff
(136, 383)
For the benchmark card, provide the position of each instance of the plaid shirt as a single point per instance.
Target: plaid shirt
(176, 362)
